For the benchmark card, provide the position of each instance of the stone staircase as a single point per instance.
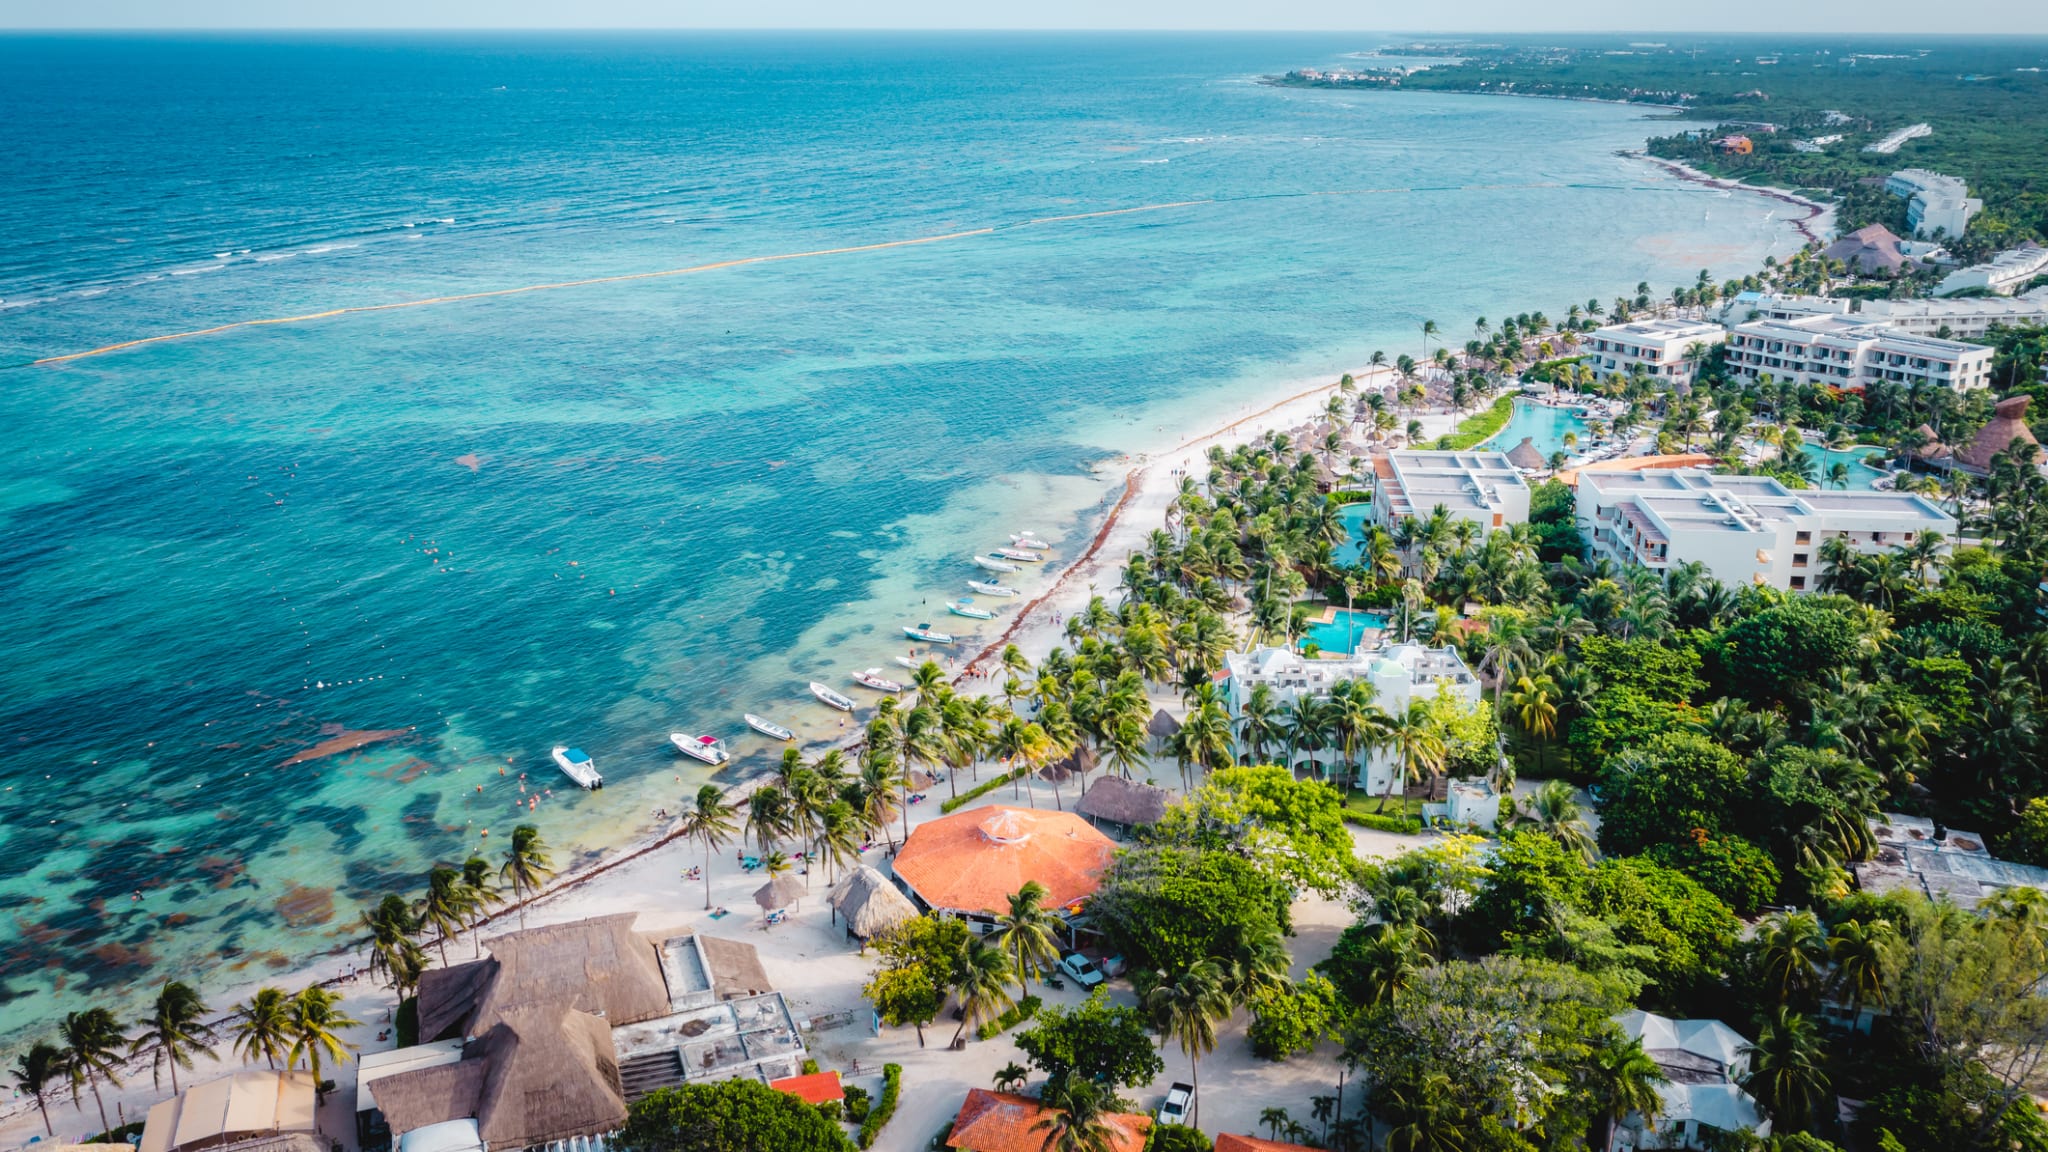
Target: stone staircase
(650, 1071)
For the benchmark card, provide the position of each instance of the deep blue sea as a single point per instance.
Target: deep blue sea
(593, 515)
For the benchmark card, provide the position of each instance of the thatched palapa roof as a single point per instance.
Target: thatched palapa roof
(870, 904)
(599, 965)
(543, 1072)
(1082, 759)
(1162, 725)
(1931, 448)
(780, 892)
(1525, 455)
(2008, 425)
(1124, 802)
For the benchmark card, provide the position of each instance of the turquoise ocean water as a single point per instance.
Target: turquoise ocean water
(597, 514)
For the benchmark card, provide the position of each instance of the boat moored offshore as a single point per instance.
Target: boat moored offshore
(963, 608)
(995, 565)
(577, 765)
(987, 588)
(926, 633)
(1027, 540)
(829, 698)
(1024, 554)
(768, 727)
(709, 749)
(873, 678)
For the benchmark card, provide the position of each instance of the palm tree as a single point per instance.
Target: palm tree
(263, 1026)
(526, 866)
(1011, 1077)
(1028, 934)
(175, 1030)
(1858, 951)
(1186, 1008)
(483, 896)
(1257, 722)
(36, 1072)
(1791, 951)
(1555, 812)
(1785, 1073)
(1622, 1079)
(392, 947)
(446, 906)
(981, 978)
(1534, 700)
(92, 1049)
(838, 837)
(313, 1017)
(711, 822)
(1078, 1119)
(1392, 957)
(1419, 748)
(1274, 1119)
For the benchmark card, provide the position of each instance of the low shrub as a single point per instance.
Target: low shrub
(1474, 429)
(1399, 824)
(857, 1102)
(883, 1109)
(1019, 1012)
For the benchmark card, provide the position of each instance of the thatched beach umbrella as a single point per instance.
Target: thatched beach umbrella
(870, 904)
(780, 892)
(1525, 455)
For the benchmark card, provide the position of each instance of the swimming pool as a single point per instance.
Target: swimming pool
(1545, 427)
(1354, 517)
(1342, 633)
(1861, 475)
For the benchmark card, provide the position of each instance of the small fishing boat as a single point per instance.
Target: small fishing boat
(995, 565)
(910, 662)
(829, 698)
(1027, 540)
(709, 749)
(924, 632)
(987, 589)
(768, 727)
(1024, 554)
(873, 678)
(577, 765)
(963, 608)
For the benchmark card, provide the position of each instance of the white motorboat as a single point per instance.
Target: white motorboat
(988, 589)
(963, 608)
(1027, 540)
(768, 727)
(995, 565)
(829, 698)
(925, 633)
(1024, 554)
(577, 765)
(709, 749)
(873, 678)
(910, 662)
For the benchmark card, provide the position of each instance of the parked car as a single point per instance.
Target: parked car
(1113, 966)
(1082, 969)
(1175, 1110)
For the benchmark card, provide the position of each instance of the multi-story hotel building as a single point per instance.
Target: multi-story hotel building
(1483, 487)
(1656, 347)
(1850, 353)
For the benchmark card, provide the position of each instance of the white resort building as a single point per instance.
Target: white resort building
(1703, 1062)
(1850, 353)
(1483, 487)
(2002, 275)
(1945, 319)
(1933, 201)
(1399, 674)
(1745, 529)
(1657, 347)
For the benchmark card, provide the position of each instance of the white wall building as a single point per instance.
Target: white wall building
(1657, 347)
(1745, 529)
(1400, 674)
(2003, 274)
(1934, 201)
(1962, 319)
(1850, 353)
(1702, 1062)
(1483, 487)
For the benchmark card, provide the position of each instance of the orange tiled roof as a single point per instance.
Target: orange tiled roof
(1000, 1122)
(816, 1088)
(972, 861)
(1230, 1143)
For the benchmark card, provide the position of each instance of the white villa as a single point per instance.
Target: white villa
(1934, 201)
(1702, 1060)
(1399, 674)
(1850, 353)
(1657, 347)
(1483, 487)
(1745, 529)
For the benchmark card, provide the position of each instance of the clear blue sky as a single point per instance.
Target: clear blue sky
(1849, 16)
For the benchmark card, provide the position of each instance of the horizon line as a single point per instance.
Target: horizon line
(993, 30)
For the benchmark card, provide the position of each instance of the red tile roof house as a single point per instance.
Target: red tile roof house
(812, 1088)
(1000, 1122)
(1230, 1143)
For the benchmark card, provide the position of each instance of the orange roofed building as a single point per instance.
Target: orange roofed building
(812, 1088)
(1000, 1122)
(969, 863)
(1230, 1143)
